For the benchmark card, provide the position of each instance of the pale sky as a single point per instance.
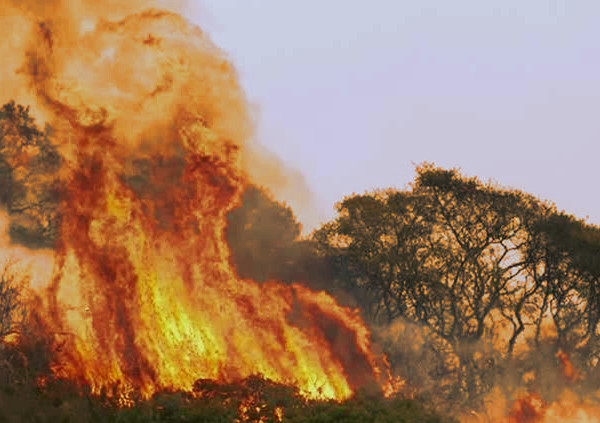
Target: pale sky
(352, 93)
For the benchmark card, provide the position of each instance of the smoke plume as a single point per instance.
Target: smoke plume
(149, 122)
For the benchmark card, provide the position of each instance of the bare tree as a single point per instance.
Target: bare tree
(13, 310)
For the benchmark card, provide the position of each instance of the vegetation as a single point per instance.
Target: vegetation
(493, 279)
(253, 400)
(29, 189)
(264, 238)
(263, 235)
(13, 311)
(468, 287)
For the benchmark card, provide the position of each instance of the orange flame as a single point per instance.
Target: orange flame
(532, 409)
(568, 371)
(151, 123)
(568, 408)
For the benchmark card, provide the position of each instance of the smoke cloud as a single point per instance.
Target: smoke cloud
(149, 122)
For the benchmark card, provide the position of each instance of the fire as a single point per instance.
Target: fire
(152, 124)
(532, 409)
(569, 408)
(568, 371)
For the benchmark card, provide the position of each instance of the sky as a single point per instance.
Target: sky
(353, 94)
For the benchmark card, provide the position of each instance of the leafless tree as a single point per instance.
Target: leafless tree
(13, 310)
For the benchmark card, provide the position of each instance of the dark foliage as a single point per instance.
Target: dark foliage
(264, 239)
(251, 400)
(29, 187)
(479, 270)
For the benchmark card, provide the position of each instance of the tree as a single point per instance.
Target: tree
(12, 305)
(29, 188)
(479, 267)
(261, 233)
(265, 243)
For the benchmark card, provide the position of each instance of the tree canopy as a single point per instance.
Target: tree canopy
(475, 265)
(29, 188)
(265, 243)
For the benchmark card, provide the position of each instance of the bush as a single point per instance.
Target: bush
(252, 400)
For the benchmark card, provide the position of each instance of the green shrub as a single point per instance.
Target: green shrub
(249, 401)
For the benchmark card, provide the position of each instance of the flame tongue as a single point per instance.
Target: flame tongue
(143, 285)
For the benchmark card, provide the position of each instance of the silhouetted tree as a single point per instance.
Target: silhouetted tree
(474, 264)
(12, 305)
(29, 188)
(261, 233)
(265, 243)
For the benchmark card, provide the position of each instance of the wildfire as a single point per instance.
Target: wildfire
(568, 371)
(151, 124)
(532, 409)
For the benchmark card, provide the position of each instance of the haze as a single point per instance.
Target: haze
(354, 94)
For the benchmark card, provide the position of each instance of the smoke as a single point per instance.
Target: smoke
(139, 94)
(38, 263)
(286, 185)
(149, 122)
(115, 68)
(536, 384)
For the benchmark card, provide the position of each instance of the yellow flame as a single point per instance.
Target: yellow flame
(143, 283)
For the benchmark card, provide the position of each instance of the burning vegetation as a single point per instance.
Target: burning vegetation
(162, 282)
(131, 189)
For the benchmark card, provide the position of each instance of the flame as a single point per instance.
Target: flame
(569, 408)
(151, 123)
(393, 384)
(567, 370)
(531, 408)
